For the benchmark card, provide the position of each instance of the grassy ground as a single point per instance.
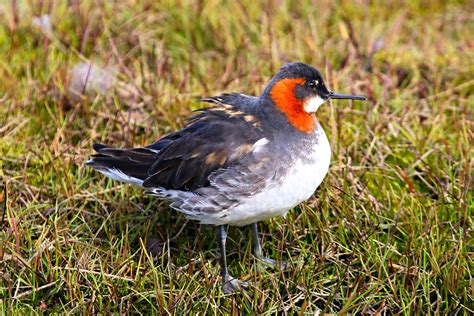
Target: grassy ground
(389, 231)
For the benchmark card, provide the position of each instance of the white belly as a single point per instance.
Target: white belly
(300, 183)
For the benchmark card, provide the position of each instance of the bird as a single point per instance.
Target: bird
(240, 160)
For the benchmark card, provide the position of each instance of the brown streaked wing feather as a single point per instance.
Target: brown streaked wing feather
(215, 138)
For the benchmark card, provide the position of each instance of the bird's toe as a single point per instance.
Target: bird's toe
(232, 285)
(265, 262)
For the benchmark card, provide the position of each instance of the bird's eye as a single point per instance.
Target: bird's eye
(313, 84)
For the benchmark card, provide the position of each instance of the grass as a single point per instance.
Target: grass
(389, 231)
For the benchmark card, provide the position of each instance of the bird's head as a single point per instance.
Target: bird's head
(298, 90)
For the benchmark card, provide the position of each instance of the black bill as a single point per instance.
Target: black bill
(333, 95)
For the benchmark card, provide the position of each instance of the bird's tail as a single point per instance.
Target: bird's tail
(126, 165)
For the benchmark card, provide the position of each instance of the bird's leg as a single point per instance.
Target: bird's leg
(229, 283)
(257, 247)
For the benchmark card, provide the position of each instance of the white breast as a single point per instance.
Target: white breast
(300, 183)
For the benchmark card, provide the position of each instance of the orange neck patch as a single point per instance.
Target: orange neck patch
(283, 94)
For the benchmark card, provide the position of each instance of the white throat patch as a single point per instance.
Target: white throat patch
(312, 104)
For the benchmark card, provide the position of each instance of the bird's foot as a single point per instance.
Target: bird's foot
(263, 263)
(231, 285)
